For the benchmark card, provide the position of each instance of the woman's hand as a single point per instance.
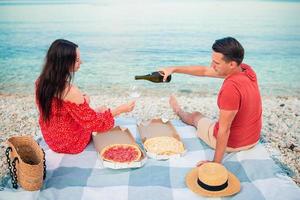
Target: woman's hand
(124, 108)
(101, 109)
(127, 107)
(166, 72)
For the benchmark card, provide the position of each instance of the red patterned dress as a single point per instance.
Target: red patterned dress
(70, 126)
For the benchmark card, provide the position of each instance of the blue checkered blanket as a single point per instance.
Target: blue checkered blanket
(82, 176)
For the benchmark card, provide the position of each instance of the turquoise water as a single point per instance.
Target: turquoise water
(119, 40)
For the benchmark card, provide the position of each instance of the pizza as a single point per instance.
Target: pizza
(121, 153)
(164, 145)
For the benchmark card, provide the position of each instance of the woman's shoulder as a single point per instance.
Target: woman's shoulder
(73, 94)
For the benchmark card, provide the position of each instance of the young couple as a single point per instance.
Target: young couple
(67, 120)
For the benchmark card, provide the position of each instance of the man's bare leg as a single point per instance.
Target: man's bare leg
(188, 118)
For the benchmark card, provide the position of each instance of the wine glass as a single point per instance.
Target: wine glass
(133, 95)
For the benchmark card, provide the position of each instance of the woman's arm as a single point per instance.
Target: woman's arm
(74, 95)
(124, 108)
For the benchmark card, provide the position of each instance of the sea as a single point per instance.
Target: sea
(121, 39)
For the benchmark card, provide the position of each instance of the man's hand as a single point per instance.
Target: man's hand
(166, 72)
(202, 162)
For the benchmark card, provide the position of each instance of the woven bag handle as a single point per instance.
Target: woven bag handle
(44, 164)
(12, 168)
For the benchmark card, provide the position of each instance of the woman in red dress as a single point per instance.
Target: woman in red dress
(66, 119)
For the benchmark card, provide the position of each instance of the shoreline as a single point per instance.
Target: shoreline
(149, 89)
(280, 132)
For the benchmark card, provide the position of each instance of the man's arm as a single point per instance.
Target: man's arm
(196, 71)
(191, 70)
(225, 120)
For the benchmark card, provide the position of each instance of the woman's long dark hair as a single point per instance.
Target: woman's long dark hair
(57, 73)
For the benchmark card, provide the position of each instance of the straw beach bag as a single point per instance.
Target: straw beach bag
(26, 162)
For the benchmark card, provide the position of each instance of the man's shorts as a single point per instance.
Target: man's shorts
(205, 131)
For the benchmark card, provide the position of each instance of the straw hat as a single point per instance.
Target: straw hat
(212, 180)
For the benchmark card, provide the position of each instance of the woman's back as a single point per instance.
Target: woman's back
(66, 119)
(69, 127)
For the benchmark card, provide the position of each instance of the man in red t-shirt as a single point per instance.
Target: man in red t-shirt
(239, 101)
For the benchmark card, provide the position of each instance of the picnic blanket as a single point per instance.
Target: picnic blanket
(82, 176)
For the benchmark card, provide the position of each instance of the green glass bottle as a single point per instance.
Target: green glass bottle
(154, 77)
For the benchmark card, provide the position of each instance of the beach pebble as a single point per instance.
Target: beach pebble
(280, 130)
(297, 150)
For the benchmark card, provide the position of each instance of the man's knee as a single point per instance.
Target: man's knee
(196, 116)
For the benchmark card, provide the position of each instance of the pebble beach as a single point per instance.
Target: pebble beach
(280, 132)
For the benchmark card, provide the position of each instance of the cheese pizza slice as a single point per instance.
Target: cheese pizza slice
(164, 145)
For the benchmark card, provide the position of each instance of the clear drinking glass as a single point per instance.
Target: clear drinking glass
(133, 95)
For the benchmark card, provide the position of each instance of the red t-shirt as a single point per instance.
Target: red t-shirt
(240, 92)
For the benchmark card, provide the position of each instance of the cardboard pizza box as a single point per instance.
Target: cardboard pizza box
(156, 128)
(117, 135)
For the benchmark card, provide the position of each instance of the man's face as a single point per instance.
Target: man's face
(220, 65)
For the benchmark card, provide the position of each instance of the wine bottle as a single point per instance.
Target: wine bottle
(155, 77)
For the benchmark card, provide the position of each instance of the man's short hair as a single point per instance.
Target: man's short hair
(230, 48)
